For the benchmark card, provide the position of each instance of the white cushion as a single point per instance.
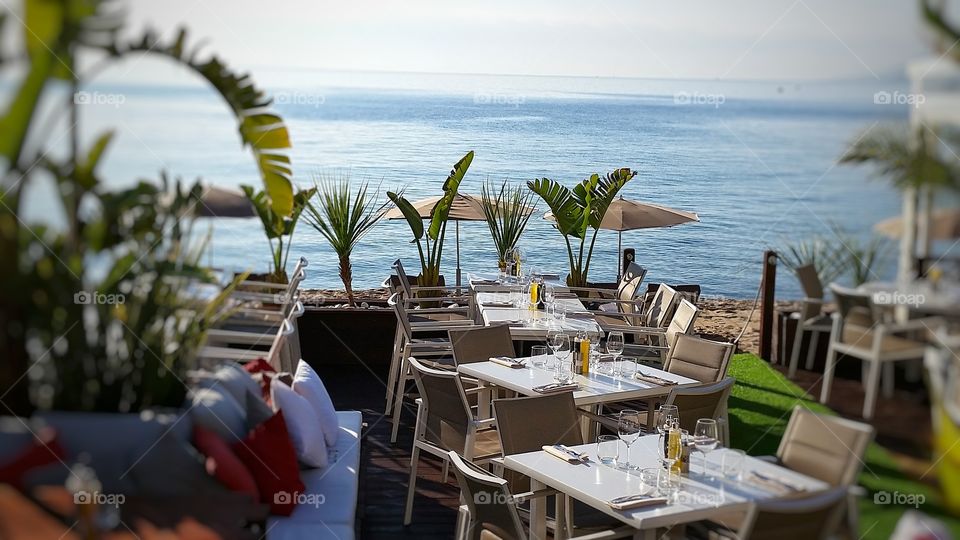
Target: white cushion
(336, 485)
(302, 424)
(216, 410)
(307, 383)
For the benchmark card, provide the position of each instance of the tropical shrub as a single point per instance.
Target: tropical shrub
(507, 213)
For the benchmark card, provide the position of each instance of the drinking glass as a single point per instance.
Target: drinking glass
(669, 415)
(705, 439)
(554, 338)
(564, 372)
(608, 449)
(628, 367)
(649, 478)
(628, 428)
(549, 294)
(668, 482)
(732, 463)
(538, 355)
(615, 347)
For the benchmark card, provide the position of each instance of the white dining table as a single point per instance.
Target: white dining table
(699, 497)
(594, 389)
(528, 324)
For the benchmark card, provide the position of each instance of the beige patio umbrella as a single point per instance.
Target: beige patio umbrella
(944, 225)
(627, 215)
(465, 207)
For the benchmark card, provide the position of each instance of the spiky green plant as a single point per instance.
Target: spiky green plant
(344, 218)
(824, 253)
(907, 159)
(577, 211)
(507, 213)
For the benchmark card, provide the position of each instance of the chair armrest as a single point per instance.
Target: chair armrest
(602, 420)
(856, 491)
(439, 326)
(485, 423)
(926, 323)
(462, 309)
(521, 498)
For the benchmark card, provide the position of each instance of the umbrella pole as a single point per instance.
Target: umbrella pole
(458, 254)
(619, 254)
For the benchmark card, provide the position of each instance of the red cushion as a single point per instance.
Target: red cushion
(223, 464)
(43, 450)
(258, 365)
(269, 456)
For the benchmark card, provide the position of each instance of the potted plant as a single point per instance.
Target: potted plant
(278, 227)
(343, 219)
(429, 241)
(577, 211)
(507, 213)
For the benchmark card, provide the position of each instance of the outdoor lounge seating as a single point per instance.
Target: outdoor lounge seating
(860, 332)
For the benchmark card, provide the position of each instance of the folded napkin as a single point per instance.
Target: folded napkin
(774, 483)
(562, 452)
(629, 502)
(507, 361)
(556, 387)
(497, 303)
(579, 315)
(652, 379)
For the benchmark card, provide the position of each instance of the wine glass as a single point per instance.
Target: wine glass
(705, 439)
(549, 295)
(564, 373)
(615, 346)
(628, 428)
(669, 415)
(554, 339)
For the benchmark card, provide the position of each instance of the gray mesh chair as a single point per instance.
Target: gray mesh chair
(481, 343)
(812, 319)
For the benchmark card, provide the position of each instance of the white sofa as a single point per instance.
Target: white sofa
(329, 506)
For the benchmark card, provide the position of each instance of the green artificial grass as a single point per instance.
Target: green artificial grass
(760, 406)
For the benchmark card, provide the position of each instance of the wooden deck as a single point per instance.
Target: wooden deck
(385, 468)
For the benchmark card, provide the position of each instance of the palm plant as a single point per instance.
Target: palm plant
(344, 219)
(278, 227)
(910, 162)
(507, 214)
(578, 210)
(430, 241)
(825, 254)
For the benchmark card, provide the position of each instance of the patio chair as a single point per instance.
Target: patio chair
(814, 517)
(828, 448)
(424, 339)
(859, 332)
(411, 290)
(621, 300)
(689, 292)
(701, 359)
(279, 345)
(812, 319)
(655, 343)
(445, 422)
(492, 510)
(707, 401)
(481, 343)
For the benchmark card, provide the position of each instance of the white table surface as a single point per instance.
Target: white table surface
(699, 498)
(594, 388)
(492, 311)
(919, 296)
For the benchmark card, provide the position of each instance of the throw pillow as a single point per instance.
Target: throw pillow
(271, 459)
(302, 424)
(307, 383)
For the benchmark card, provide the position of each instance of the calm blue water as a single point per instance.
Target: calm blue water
(759, 168)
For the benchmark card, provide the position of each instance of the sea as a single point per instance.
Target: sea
(756, 160)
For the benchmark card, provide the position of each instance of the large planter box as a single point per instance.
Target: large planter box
(348, 336)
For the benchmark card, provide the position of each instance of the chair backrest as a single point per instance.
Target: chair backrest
(446, 412)
(824, 447)
(404, 279)
(400, 310)
(661, 307)
(696, 402)
(855, 307)
(481, 344)
(629, 287)
(276, 356)
(811, 518)
(682, 321)
(810, 281)
(488, 500)
(698, 358)
(290, 354)
(556, 421)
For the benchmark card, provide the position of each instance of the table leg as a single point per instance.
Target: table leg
(588, 425)
(561, 502)
(483, 403)
(538, 513)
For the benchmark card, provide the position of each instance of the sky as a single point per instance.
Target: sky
(701, 39)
